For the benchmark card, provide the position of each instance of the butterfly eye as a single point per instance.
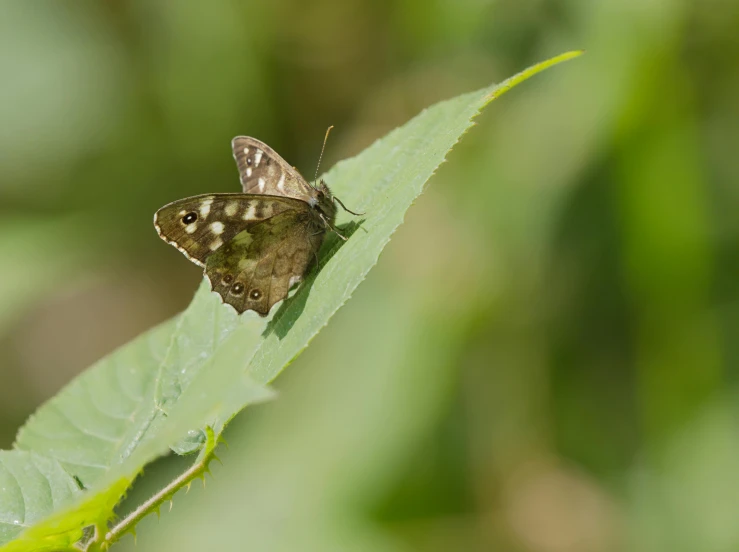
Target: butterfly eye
(237, 288)
(255, 294)
(189, 218)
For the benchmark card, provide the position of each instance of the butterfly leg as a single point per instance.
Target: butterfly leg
(328, 224)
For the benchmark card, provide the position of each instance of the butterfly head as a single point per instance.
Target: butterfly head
(323, 201)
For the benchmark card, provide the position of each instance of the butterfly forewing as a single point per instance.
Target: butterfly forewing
(256, 269)
(200, 225)
(263, 171)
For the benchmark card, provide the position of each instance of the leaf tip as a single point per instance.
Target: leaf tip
(518, 78)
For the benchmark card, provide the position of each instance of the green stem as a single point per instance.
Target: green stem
(103, 541)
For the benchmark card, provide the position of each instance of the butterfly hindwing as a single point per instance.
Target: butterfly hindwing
(263, 171)
(200, 225)
(258, 267)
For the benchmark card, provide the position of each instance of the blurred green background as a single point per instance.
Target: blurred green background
(544, 359)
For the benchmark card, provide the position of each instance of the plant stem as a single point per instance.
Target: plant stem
(103, 541)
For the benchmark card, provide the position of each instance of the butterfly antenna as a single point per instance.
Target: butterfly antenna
(325, 139)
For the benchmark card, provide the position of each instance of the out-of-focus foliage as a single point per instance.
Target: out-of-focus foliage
(544, 359)
(178, 385)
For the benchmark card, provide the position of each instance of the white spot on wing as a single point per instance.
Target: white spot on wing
(258, 157)
(281, 183)
(294, 280)
(246, 151)
(190, 228)
(205, 207)
(262, 184)
(248, 172)
(217, 228)
(215, 244)
(250, 212)
(231, 208)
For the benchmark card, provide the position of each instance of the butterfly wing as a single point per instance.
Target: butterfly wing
(256, 269)
(263, 171)
(200, 225)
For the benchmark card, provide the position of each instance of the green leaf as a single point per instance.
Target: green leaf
(204, 366)
(32, 485)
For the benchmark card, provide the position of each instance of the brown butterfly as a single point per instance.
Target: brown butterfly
(255, 245)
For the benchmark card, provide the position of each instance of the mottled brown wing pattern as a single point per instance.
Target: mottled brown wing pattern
(256, 269)
(263, 171)
(200, 225)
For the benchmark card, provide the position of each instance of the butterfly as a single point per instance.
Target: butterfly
(254, 246)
